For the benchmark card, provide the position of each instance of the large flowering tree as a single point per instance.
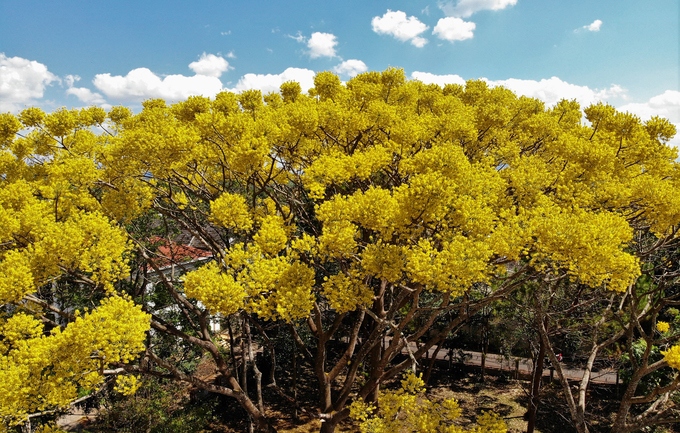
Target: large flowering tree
(356, 211)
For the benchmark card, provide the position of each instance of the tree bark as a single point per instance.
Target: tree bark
(536, 378)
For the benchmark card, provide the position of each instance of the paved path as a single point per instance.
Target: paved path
(76, 420)
(498, 362)
(524, 366)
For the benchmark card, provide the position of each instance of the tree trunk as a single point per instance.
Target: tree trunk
(485, 345)
(256, 371)
(331, 421)
(296, 415)
(430, 365)
(483, 378)
(536, 378)
(328, 427)
(375, 357)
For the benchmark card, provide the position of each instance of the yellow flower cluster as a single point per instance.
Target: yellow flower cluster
(215, 289)
(271, 237)
(383, 261)
(346, 293)
(127, 384)
(589, 245)
(663, 326)
(672, 356)
(336, 167)
(16, 277)
(409, 410)
(489, 422)
(231, 211)
(272, 287)
(460, 263)
(39, 371)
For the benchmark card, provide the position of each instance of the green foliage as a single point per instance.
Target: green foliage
(157, 407)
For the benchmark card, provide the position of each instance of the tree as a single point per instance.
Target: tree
(627, 324)
(364, 212)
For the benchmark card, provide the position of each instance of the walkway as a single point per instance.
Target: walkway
(523, 366)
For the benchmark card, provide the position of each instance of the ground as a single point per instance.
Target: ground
(500, 393)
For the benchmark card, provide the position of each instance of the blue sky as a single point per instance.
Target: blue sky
(74, 53)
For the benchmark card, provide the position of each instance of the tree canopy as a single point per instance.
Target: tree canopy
(356, 211)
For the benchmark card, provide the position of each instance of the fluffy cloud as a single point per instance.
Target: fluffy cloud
(271, 82)
(210, 65)
(592, 27)
(22, 81)
(465, 8)
(454, 29)
(550, 90)
(351, 67)
(441, 80)
(84, 94)
(398, 25)
(322, 45)
(141, 83)
(665, 105)
(553, 89)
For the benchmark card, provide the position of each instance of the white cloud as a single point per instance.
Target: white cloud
(454, 29)
(322, 45)
(418, 42)
(441, 80)
(22, 81)
(70, 80)
(271, 82)
(398, 25)
(665, 105)
(550, 91)
(210, 65)
(553, 89)
(298, 37)
(594, 26)
(86, 95)
(465, 8)
(351, 67)
(141, 83)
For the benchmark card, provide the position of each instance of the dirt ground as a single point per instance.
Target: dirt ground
(505, 397)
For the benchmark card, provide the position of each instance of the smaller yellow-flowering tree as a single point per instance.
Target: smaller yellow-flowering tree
(628, 329)
(63, 323)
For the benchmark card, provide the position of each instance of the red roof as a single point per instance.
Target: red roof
(169, 252)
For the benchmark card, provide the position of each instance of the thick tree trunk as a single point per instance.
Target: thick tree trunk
(327, 427)
(330, 421)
